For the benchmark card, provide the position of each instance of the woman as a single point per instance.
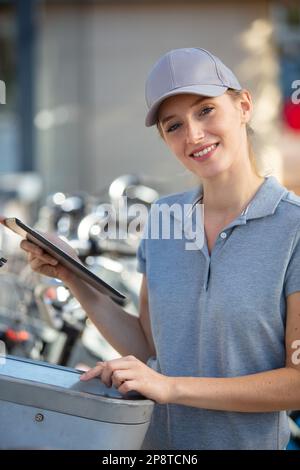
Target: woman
(216, 345)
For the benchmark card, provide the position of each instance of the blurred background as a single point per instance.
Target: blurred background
(75, 73)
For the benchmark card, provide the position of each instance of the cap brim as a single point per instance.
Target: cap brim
(203, 90)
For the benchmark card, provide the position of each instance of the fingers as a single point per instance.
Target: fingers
(128, 386)
(109, 378)
(36, 262)
(113, 372)
(31, 247)
(119, 368)
(106, 377)
(94, 372)
(36, 256)
(120, 376)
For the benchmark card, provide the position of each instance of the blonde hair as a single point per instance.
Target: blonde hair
(250, 132)
(234, 95)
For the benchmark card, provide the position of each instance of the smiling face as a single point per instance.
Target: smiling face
(207, 135)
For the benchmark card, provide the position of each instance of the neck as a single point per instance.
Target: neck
(229, 193)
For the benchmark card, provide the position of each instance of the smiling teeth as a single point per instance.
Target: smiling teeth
(205, 151)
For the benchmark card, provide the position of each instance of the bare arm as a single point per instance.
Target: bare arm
(126, 333)
(273, 390)
(267, 391)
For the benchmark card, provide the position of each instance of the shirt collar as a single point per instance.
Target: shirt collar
(266, 199)
(263, 203)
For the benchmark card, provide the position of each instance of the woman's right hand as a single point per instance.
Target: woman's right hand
(45, 264)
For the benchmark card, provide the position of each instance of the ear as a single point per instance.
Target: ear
(246, 106)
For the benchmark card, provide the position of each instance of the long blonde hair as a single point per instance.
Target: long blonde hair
(234, 94)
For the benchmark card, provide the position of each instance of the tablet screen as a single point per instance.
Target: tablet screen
(64, 258)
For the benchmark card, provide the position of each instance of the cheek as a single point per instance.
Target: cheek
(224, 124)
(222, 129)
(176, 147)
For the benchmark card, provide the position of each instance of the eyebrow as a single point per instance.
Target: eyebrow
(199, 100)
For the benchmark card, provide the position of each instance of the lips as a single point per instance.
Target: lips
(204, 150)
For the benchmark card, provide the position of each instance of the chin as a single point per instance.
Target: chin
(211, 168)
(212, 171)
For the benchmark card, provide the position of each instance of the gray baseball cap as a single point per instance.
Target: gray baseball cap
(189, 70)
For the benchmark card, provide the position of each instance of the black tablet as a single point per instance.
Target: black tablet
(66, 260)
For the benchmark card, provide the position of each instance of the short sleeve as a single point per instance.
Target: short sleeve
(292, 277)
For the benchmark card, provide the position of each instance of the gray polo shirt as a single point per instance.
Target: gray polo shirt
(223, 316)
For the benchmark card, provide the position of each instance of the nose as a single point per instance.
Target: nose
(194, 132)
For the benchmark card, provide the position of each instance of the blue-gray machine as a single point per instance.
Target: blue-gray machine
(44, 406)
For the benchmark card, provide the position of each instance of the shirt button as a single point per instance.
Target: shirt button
(223, 235)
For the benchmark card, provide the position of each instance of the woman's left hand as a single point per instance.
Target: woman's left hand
(130, 374)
